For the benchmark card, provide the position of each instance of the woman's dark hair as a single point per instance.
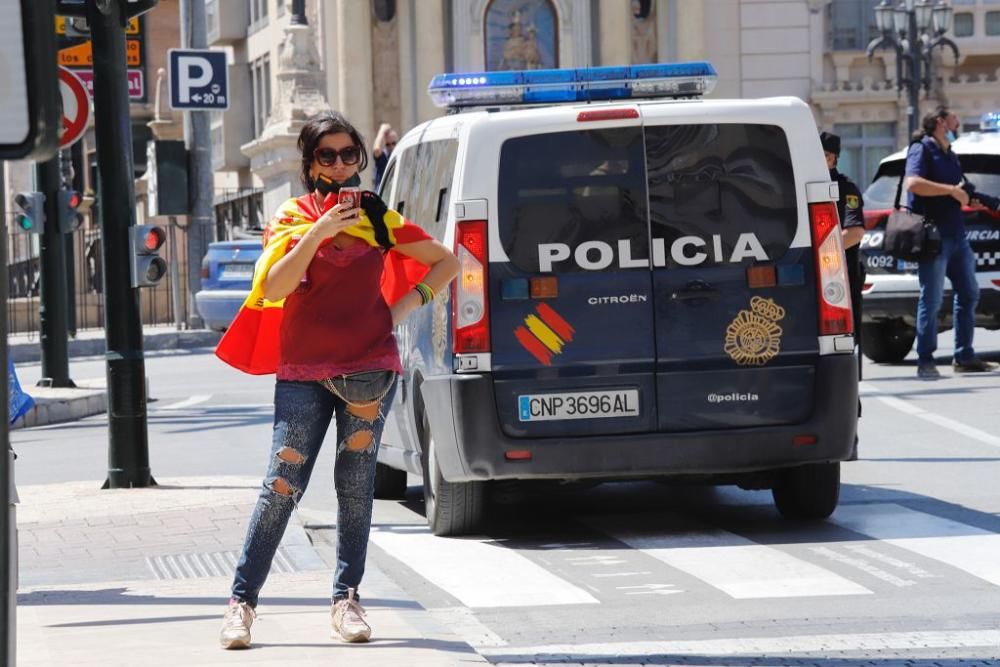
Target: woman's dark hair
(317, 127)
(930, 121)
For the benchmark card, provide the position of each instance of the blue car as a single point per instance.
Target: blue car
(226, 274)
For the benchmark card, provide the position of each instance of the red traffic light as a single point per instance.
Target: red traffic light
(75, 199)
(154, 238)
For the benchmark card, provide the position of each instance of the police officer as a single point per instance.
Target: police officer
(852, 223)
(851, 208)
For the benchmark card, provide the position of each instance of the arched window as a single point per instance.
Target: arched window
(521, 34)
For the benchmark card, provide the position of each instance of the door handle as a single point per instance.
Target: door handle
(697, 290)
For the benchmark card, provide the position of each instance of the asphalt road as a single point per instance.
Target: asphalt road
(907, 571)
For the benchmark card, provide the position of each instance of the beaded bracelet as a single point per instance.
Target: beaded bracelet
(425, 292)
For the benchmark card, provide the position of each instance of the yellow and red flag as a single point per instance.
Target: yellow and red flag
(251, 343)
(544, 333)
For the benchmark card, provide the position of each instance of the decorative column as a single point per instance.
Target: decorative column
(274, 156)
(354, 64)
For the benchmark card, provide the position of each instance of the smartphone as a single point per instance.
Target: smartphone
(350, 197)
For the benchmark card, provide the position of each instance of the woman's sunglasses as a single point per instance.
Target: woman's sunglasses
(327, 157)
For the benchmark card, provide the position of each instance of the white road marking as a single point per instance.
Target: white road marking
(187, 402)
(863, 565)
(587, 561)
(478, 572)
(934, 418)
(733, 564)
(650, 589)
(909, 568)
(959, 545)
(769, 646)
(619, 574)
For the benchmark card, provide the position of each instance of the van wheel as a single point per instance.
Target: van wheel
(887, 342)
(452, 508)
(807, 492)
(390, 484)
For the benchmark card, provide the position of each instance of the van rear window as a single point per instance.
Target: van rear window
(716, 194)
(728, 187)
(571, 188)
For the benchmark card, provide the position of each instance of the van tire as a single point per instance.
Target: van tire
(452, 508)
(390, 484)
(887, 342)
(807, 492)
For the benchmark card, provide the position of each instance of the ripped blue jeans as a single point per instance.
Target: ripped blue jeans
(302, 415)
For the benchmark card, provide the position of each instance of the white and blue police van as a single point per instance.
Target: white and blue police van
(892, 289)
(652, 286)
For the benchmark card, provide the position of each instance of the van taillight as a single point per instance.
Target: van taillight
(831, 279)
(470, 310)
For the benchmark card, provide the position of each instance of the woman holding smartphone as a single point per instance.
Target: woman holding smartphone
(333, 280)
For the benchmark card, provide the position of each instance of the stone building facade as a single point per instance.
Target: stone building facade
(374, 59)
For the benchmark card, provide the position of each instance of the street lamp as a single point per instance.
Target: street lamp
(298, 13)
(913, 29)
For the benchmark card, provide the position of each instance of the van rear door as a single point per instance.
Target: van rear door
(735, 302)
(571, 305)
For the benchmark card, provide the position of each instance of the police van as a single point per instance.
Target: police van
(892, 289)
(652, 285)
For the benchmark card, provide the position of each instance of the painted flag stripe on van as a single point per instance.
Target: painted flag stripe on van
(533, 345)
(959, 545)
(556, 322)
(544, 333)
(731, 563)
(478, 572)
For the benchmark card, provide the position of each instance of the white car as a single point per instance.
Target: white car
(891, 288)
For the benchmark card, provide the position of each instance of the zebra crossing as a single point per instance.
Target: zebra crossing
(868, 550)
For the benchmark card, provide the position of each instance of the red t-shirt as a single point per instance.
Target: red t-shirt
(337, 322)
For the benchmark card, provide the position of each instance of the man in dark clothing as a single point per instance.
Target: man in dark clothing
(385, 143)
(851, 208)
(937, 189)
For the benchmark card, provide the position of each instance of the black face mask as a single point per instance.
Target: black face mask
(325, 186)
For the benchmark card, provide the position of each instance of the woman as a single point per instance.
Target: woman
(320, 315)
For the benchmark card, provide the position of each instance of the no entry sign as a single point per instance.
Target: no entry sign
(76, 108)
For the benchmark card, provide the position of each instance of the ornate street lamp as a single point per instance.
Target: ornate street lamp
(913, 29)
(942, 18)
(298, 13)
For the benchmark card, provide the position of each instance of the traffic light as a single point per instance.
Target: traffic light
(148, 268)
(69, 216)
(31, 217)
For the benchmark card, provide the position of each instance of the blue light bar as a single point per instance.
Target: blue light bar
(588, 84)
(990, 122)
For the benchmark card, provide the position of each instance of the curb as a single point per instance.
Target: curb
(62, 405)
(91, 346)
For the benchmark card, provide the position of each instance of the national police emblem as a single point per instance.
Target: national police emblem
(753, 338)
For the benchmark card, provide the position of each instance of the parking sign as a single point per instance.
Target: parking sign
(199, 79)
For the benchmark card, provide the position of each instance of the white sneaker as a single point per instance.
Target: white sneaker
(236, 625)
(348, 620)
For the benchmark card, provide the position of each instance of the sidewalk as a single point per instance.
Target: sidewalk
(90, 397)
(26, 348)
(142, 576)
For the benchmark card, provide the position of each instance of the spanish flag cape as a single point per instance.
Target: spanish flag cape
(251, 344)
